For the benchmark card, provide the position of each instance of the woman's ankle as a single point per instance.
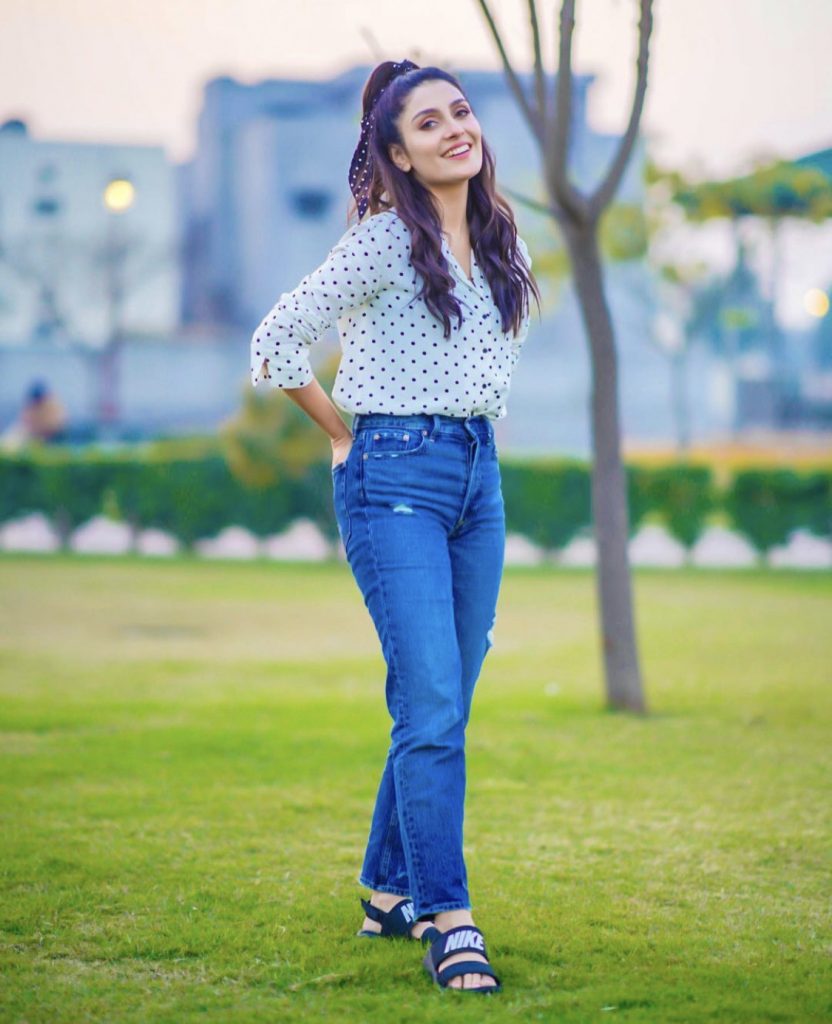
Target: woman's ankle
(385, 900)
(447, 919)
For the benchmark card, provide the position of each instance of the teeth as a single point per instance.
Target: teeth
(459, 149)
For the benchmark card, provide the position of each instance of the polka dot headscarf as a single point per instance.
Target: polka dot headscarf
(361, 165)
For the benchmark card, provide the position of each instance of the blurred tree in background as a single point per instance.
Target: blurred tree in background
(269, 439)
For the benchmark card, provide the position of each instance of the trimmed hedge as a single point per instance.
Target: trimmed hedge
(766, 505)
(547, 501)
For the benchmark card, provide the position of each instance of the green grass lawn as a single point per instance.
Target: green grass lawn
(189, 757)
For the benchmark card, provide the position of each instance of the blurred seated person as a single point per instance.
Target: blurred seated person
(43, 418)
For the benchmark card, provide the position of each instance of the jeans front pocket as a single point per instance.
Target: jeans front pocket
(340, 492)
(393, 464)
(392, 442)
(342, 464)
(339, 502)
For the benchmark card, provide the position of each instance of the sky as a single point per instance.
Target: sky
(730, 81)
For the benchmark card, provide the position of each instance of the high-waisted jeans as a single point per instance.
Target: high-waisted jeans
(419, 508)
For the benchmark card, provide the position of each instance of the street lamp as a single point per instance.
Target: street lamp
(816, 303)
(118, 196)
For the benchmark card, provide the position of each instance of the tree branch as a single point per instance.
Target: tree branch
(568, 197)
(605, 191)
(539, 73)
(514, 83)
(534, 204)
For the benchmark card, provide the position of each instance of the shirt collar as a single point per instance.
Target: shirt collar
(478, 285)
(475, 281)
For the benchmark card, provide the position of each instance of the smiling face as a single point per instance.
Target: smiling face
(437, 122)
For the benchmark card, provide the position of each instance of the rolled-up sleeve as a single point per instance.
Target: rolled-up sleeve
(519, 338)
(348, 277)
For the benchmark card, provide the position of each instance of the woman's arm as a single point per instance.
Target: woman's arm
(317, 404)
(348, 277)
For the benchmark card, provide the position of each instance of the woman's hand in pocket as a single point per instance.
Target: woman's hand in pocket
(341, 449)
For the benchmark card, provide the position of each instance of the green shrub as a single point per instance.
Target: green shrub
(767, 504)
(193, 493)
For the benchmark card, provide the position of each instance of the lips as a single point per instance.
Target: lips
(453, 155)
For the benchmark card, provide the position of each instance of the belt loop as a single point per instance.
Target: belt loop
(434, 430)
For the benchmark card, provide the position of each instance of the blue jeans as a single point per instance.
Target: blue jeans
(419, 508)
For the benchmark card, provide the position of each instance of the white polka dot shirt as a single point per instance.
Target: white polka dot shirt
(395, 358)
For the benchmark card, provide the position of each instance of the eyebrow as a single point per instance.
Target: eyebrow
(433, 110)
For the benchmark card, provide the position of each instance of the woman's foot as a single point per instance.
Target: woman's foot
(446, 920)
(386, 901)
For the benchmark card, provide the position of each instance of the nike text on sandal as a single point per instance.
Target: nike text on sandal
(463, 939)
(395, 922)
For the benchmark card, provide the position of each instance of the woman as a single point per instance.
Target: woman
(431, 295)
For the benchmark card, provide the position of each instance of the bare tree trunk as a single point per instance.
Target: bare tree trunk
(609, 487)
(549, 119)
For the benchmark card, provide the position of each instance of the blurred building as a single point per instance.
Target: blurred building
(89, 257)
(63, 224)
(265, 197)
(182, 273)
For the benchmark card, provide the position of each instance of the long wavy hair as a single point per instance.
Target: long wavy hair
(491, 223)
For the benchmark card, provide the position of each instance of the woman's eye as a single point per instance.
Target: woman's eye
(430, 120)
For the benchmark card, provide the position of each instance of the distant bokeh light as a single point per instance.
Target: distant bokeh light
(816, 302)
(119, 195)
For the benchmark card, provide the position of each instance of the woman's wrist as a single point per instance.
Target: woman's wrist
(320, 408)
